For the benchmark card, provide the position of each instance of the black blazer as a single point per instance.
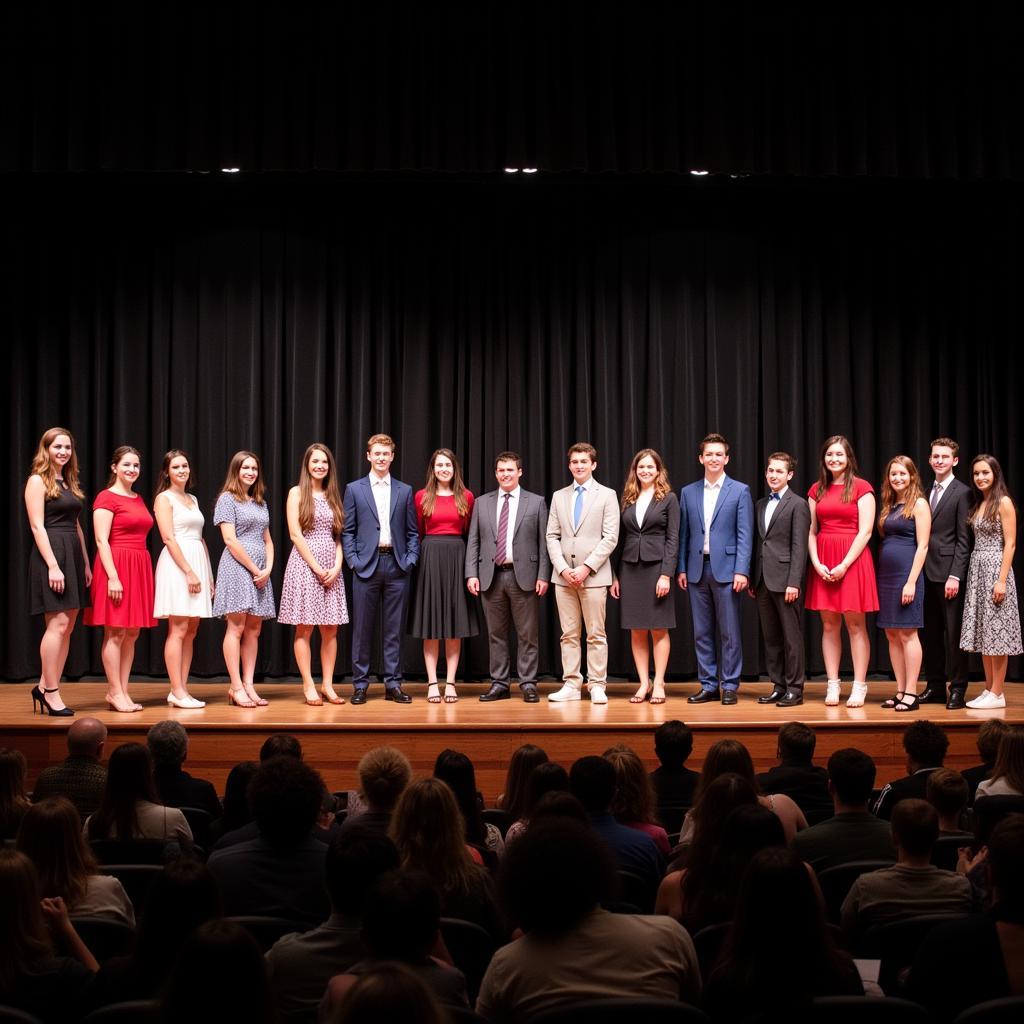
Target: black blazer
(949, 544)
(780, 556)
(657, 540)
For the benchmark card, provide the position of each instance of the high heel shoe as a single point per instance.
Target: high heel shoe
(657, 698)
(239, 702)
(450, 697)
(435, 697)
(38, 697)
(893, 701)
(186, 703)
(124, 711)
(331, 698)
(257, 700)
(641, 695)
(316, 702)
(908, 702)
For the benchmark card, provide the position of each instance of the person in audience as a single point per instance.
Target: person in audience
(778, 908)
(281, 872)
(925, 744)
(674, 783)
(390, 992)
(51, 837)
(168, 746)
(301, 964)
(401, 924)
(129, 808)
(796, 775)
(552, 883)
(456, 769)
(429, 832)
(853, 832)
(524, 759)
(280, 744)
(633, 801)
(1007, 778)
(14, 800)
(560, 804)
(989, 946)
(990, 735)
(237, 813)
(548, 777)
(81, 776)
(947, 793)
(913, 885)
(384, 772)
(32, 977)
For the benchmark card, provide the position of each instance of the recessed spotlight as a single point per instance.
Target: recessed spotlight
(529, 170)
(700, 174)
(230, 170)
(511, 170)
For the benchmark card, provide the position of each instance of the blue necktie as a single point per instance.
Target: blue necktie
(577, 509)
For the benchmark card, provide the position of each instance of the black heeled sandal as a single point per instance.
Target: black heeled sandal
(910, 702)
(892, 702)
(39, 697)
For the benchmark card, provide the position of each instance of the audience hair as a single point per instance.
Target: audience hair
(520, 766)
(547, 777)
(390, 992)
(129, 780)
(915, 827)
(947, 791)
(14, 800)
(285, 796)
(456, 769)
(559, 804)
(401, 916)
(86, 736)
(633, 800)
(1009, 764)
(926, 744)
(797, 742)
(51, 837)
(852, 774)
(280, 744)
(168, 743)
(725, 756)
(384, 772)
(237, 810)
(24, 937)
(673, 743)
(592, 782)
(990, 735)
(356, 858)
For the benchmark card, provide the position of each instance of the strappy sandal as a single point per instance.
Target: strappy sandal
(434, 693)
(895, 699)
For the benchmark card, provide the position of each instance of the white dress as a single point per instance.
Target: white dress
(171, 590)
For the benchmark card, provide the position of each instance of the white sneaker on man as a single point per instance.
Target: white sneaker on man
(597, 694)
(567, 692)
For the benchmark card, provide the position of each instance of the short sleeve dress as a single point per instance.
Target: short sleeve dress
(236, 591)
(128, 532)
(60, 520)
(172, 596)
(837, 529)
(304, 600)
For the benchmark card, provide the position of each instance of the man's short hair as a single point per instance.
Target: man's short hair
(401, 916)
(990, 735)
(592, 782)
(383, 439)
(673, 743)
(852, 774)
(384, 772)
(926, 744)
(356, 858)
(944, 442)
(946, 790)
(915, 827)
(285, 797)
(712, 439)
(508, 457)
(281, 744)
(86, 736)
(797, 742)
(783, 457)
(168, 744)
(584, 448)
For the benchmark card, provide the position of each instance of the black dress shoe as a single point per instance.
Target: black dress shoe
(770, 698)
(730, 697)
(496, 692)
(792, 699)
(932, 695)
(359, 696)
(957, 700)
(398, 695)
(703, 697)
(530, 695)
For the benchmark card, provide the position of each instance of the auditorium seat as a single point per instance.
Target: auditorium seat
(471, 948)
(138, 1011)
(1009, 1010)
(896, 943)
(136, 879)
(837, 881)
(499, 818)
(199, 820)
(104, 937)
(11, 1015)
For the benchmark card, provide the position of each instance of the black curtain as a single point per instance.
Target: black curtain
(214, 314)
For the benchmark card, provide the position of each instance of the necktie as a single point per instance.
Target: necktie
(499, 554)
(577, 509)
(936, 491)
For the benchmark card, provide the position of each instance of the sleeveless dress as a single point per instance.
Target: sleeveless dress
(172, 596)
(236, 591)
(304, 601)
(128, 532)
(60, 520)
(989, 628)
(895, 560)
(837, 529)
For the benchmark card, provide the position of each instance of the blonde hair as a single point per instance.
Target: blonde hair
(43, 467)
(631, 488)
(233, 485)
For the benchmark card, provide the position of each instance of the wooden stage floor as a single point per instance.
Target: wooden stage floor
(335, 737)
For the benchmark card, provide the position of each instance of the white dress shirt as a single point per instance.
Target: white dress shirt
(513, 508)
(769, 509)
(711, 495)
(643, 503)
(382, 498)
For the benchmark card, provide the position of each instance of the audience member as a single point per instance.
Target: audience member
(14, 800)
(633, 800)
(552, 882)
(51, 837)
(990, 734)
(391, 992)
(1007, 778)
(548, 777)
(853, 832)
(674, 783)
(280, 744)
(560, 804)
(926, 745)
(796, 775)
(236, 813)
(168, 746)
(300, 964)
(524, 759)
(80, 776)
(456, 769)
(384, 772)
(913, 885)
(946, 791)
(281, 872)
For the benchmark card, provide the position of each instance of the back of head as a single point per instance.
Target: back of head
(725, 756)
(852, 775)
(168, 744)
(86, 737)
(592, 782)
(355, 859)
(1010, 759)
(520, 767)
(673, 743)
(748, 829)
(285, 797)
(926, 744)
(559, 804)
(237, 811)
(384, 772)
(915, 827)
(549, 777)
(796, 743)
(23, 934)
(947, 790)
(401, 916)
(51, 837)
(13, 798)
(390, 992)
(716, 802)
(129, 780)
(280, 744)
(456, 769)
(1005, 856)
(990, 735)
(633, 800)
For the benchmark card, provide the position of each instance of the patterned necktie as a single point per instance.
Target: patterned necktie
(936, 491)
(577, 509)
(499, 554)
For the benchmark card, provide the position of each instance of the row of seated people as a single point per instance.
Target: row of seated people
(290, 862)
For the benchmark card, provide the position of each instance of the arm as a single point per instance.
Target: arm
(472, 569)
(553, 537)
(609, 535)
(295, 533)
(684, 541)
(348, 530)
(961, 546)
(812, 541)
(801, 528)
(102, 521)
(543, 559)
(1008, 517)
(85, 555)
(412, 532)
(55, 912)
(744, 540)
(268, 546)
(865, 526)
(238, 552)
(35, 505)
(165, 523)
(922, 532)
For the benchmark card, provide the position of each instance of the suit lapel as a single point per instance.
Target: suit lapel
(371, 501)
(653, 507)
(762, 505)
(520, 515)
(778, 512)
(721, 498)
(394, 500)
(589, 497)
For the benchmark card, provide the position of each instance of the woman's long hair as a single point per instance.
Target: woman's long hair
(633, 800)
(996, 492)
(458, 487)
(331, 492)
(129, 779)
(23, 935)
(234, 486)
(631, 488)
(456, 769)
(390, 992)
(42, 467)
(825, 480)
(725, 756)
(520, 765)
(237, 811)
(14, 801)
(119, 453)
(910, 496)
(51, 837)
(1009, 764)
(163, 482)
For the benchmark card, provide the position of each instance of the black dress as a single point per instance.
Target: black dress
(60, 520)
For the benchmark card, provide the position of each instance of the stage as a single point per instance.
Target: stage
(335, 737)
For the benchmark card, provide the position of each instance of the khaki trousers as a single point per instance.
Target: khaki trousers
(579, 608)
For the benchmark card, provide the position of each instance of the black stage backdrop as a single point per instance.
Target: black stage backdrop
(215, 313)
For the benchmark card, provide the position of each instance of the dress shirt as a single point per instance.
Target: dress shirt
(513, 507)
(770, 508)
(643, 503)
(575, 493)
(933, 504)
(382, 497)
(711, 495)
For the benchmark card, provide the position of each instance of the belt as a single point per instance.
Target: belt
(385, 549)
(503, 566)
(707, 558)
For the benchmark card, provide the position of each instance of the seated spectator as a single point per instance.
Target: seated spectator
(236, 813)
(732, 756)
(429, 832)
(796, 775)
(80, 776)
(401, 923)
(912, 885)
(558, 804)
(14, 800)
(853, 832)
(553, 881)
(592, 782)
(946, 791)
(456, 770)
(548, 777)
(280, 744)
(281, 872)
(633, 800)
(32, 977)
(926, 745)
(51, 837)
(301, 964)
(1007, 778)
(990, 734)
(391, 992)
(989, 947)
(384, 772)
(168, 746)
(779, 909)
(674, 783)
(129, 807)
(524, 759)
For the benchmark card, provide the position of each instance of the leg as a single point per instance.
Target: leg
(127, 659)
(233, 656)
(772, 631)
(431, 655)
(177, 628)
(896, 652)
(702, 610)
(729, 631)
(995, 672)
(452, 653)
(791, 617)
(187, 647)
(250, 652)
(366, 594)
(497, 608)
(662, 644)
(524, 605)
(53, 653)
(570, 616)
(110, 654)
(328, 659)
(831, 642)
(304, 659)
(860, 644)
(642, 660)
(953, 613)
(912, 656)
(593, 603)
(935, 639)
(396, 595)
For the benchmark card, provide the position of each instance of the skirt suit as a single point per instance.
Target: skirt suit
(648, 548)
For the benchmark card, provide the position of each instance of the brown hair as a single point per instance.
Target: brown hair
(13, 800)
(1010, 759)
(945, 442)
(384, 439)
(458, 487)
(631, 488)
(712, 439)
(913, 492)
(996, 492)
(119, 453)
(384, 772)
(51, 837)
(508, 457)
(233, 485)
(23, 934)
(331, 493)
(946, 790)
(633, 800)
(825, 476)
(723, 757)
(990, 735)
(43, 468)
(584, 448)
(163, 482)
(783, 457)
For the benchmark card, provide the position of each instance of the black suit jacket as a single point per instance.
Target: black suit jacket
(805, 785)
(780, 555)
(656, 540)
(949, 544)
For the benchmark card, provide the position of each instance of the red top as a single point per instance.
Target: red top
(446, 521)
(132, 520)
(835, 515)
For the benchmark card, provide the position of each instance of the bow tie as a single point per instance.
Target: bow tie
(774, 497)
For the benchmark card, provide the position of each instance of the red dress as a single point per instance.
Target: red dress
(132, 522)
(837, 528)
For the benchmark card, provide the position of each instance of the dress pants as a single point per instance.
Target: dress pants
(506, 603)
(781, 625)
(580, 607)
(715, 608)
(942, 621)
(388, 589)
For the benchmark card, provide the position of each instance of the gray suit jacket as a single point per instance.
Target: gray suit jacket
(529, 548)
(591, 542)
(780, 555)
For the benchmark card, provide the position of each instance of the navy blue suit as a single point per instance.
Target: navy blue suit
(379, 579)
(714, 605)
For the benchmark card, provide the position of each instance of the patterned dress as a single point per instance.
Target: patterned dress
(988, 627)
(236, 591)
(304, 600)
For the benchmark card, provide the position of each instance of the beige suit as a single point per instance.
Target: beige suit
(590, 542)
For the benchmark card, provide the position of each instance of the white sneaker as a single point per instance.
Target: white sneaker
(987, 701)
(567, 692)
(832, 692)
(597, 694)
(857, 695)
